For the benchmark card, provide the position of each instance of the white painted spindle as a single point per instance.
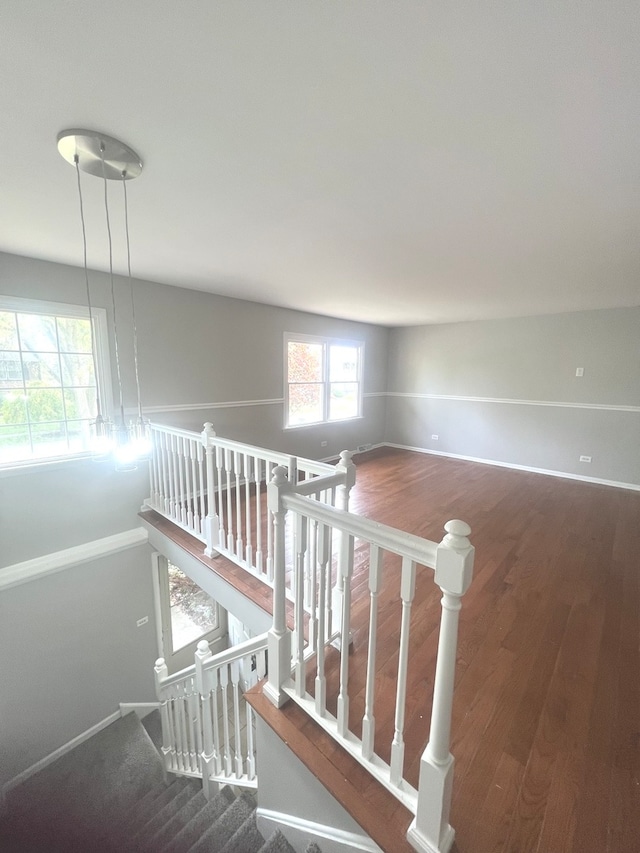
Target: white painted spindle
(324, 584)
(202, 657)
(279, 636)
(407, 592)
(211, 521)
(226, 739)
(300, 540)
(345, 569)
(248, 554)
(237, 466)
(237, 735)
(369, 720)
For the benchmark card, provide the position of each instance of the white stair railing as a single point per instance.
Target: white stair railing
(208, 728)
(215, 489)
(314, 525)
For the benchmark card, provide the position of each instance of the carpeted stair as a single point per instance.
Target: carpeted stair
(109, 795)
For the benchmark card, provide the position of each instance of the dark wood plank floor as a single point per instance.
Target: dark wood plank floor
(546, 726)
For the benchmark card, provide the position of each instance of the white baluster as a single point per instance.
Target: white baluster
(176, 477)
(215, 701)
(407, 591)
(300, 540)
(202, 512)
(195, 726)
(173, 728)
(153, 486)
(324, 565)
(369, 720)
(247, 508)
(202, 657)
(195, 515)
(237, 740)
(183, 715)
(292, 475)
(224, 684)
(251, 749)
(329, 630)
(430, 830)
(211, 520)
(237, 466)
(189, 500)
(269, 474)
(161, 672)
(347, 468)
(228, 456)
(166, 473)
(171, 483)
(222, 524)
(182, 509)
(279, 638)
(345, 567)
(257, 469)
(312, 569)
(177, 727)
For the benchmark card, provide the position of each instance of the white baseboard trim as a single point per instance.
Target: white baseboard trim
(58, 753)
(331, 840)
(58, 561)
(563, 474)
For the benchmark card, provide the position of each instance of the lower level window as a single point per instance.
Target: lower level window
(52, 365)
(323, 379)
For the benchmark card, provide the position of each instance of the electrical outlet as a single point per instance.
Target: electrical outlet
(434, 438)
(323, 444)
(142, 621)
(585, 459)
(579, 371)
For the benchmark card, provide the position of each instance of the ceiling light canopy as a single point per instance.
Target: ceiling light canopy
(97, 151)
(112, 160)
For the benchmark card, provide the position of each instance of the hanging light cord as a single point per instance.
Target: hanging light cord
(113, 295)
(133, 301)
(76, 161)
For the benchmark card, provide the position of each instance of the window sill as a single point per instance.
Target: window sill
(33, 466)
(323, 423)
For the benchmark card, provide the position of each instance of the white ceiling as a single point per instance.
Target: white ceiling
(395, 161)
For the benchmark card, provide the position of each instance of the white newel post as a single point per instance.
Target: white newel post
(346, 467)
(430, 831)
(202, 656)
(211, 524)
(161, 671)
(279, 636)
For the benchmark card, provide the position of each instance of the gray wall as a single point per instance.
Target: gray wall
(58, 634)
(509, 365)
(71, 652)
(199, 349)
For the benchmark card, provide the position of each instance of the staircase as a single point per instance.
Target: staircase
(109, 795)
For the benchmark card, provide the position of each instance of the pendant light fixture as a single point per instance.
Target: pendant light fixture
(111, 160)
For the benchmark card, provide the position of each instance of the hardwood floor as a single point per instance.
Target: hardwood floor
(546, 727)
(546, 718)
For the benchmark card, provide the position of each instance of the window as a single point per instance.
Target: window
(185, 614)
(324, 380)
(48, 383)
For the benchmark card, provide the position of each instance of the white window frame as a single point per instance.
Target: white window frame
(19, 304)
(177, 659)
(327, 342)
